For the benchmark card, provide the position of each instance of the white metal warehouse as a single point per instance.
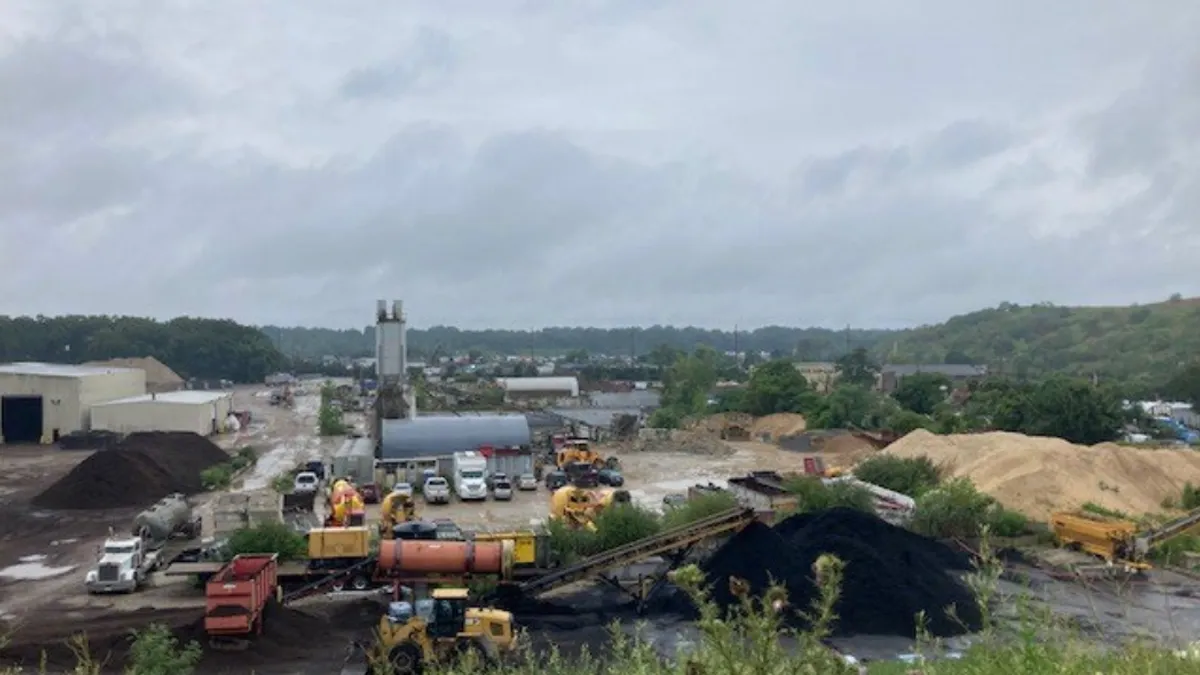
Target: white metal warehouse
(539, 387)
(41, 401)
(201, 412)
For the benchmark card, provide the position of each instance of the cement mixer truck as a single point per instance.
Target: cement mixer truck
(126, 562)
(577, 505)
(345, 505)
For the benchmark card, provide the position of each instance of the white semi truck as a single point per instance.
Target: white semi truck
(126, 561)
(470, 476)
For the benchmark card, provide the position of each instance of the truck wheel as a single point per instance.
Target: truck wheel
(360, 583)
(337, 586)
(405, 659)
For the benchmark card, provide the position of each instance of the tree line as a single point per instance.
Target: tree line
(808, 344)
(1070, 408)
(193, 348)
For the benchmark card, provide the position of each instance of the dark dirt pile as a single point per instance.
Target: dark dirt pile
(890, 575)
(138, 471)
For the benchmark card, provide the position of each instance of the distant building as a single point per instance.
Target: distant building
(820, 375)
(959, 374)
(40, 402)
(517, 389)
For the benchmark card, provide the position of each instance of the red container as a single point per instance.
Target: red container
(236, 595)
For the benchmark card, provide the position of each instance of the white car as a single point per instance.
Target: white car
(436, 490)
(527, 481)
(306, 481)
(405, 489)
(502, 490)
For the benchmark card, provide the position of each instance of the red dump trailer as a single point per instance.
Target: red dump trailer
(237, 595)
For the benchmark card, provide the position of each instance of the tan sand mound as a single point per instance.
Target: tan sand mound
(1037, 475)
(778, 425)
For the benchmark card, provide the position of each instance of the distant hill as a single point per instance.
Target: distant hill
(1140, 344)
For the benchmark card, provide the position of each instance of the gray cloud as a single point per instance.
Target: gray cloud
(666, 162)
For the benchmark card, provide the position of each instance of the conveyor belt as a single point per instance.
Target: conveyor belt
(327, 582)
(670, 540)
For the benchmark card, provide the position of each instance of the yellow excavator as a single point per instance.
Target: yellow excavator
(397, 507)
(437, 631)
(1119, 542)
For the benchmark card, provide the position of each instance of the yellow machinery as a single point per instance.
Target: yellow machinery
(345, 505)
(413, 637)
(395, 508)
(1118, 541)
(579, 451)
(578, 506)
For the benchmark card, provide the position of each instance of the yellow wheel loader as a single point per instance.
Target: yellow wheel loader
(438, 631)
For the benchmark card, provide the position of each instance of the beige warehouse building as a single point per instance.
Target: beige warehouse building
(39, 402)
(201, 412)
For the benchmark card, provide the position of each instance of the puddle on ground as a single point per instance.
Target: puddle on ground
(32, 568)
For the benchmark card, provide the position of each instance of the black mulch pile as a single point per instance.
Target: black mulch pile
(138, 471)
(891, 574)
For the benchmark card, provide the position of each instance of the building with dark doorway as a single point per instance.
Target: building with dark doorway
(39, 402)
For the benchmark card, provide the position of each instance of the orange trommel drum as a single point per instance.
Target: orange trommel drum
(408, 556)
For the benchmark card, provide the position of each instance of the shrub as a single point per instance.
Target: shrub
(217, 477)
(268, 538)
(912, 476)
(814, 495)
(617, 525)
(1190, 498)
(243, 458)
(699, 508)
(283, 483)
(957, 509)
(155, 651)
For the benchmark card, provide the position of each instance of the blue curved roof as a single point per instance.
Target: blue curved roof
(436, 436)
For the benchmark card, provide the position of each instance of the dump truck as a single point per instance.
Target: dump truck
(437, 631)
(236, 597)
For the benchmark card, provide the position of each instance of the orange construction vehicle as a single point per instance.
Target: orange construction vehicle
(578, 451)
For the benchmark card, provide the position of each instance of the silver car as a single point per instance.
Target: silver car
(527, 481)
(502, 490)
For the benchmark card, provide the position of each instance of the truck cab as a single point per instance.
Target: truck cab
(123, 567)
(470, 476)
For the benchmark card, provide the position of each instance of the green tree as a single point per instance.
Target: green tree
(857, 367)
(1068, 408)
(922, 392)
(1185, 385)
(850, 406)
(776, 386)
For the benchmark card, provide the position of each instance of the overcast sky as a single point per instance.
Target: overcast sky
(513, 164)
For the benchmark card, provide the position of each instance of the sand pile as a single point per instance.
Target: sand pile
(138, 471)
(721, 424)
(891, 574)
(1037, 475)
(779, 425)
(674, 440)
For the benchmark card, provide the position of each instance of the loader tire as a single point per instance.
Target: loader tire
(405, 659)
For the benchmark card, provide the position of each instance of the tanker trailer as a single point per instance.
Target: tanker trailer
(414, 558)
(171, 516)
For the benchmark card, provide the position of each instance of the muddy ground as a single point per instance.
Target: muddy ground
(43, 556)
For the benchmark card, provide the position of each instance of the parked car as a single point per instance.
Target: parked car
(370, 493)
(436, 490)
(527, 481)
(502, 490)
(405, 489)
(306, 482)
(494, 478)
(556, 479)
(610, 477)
